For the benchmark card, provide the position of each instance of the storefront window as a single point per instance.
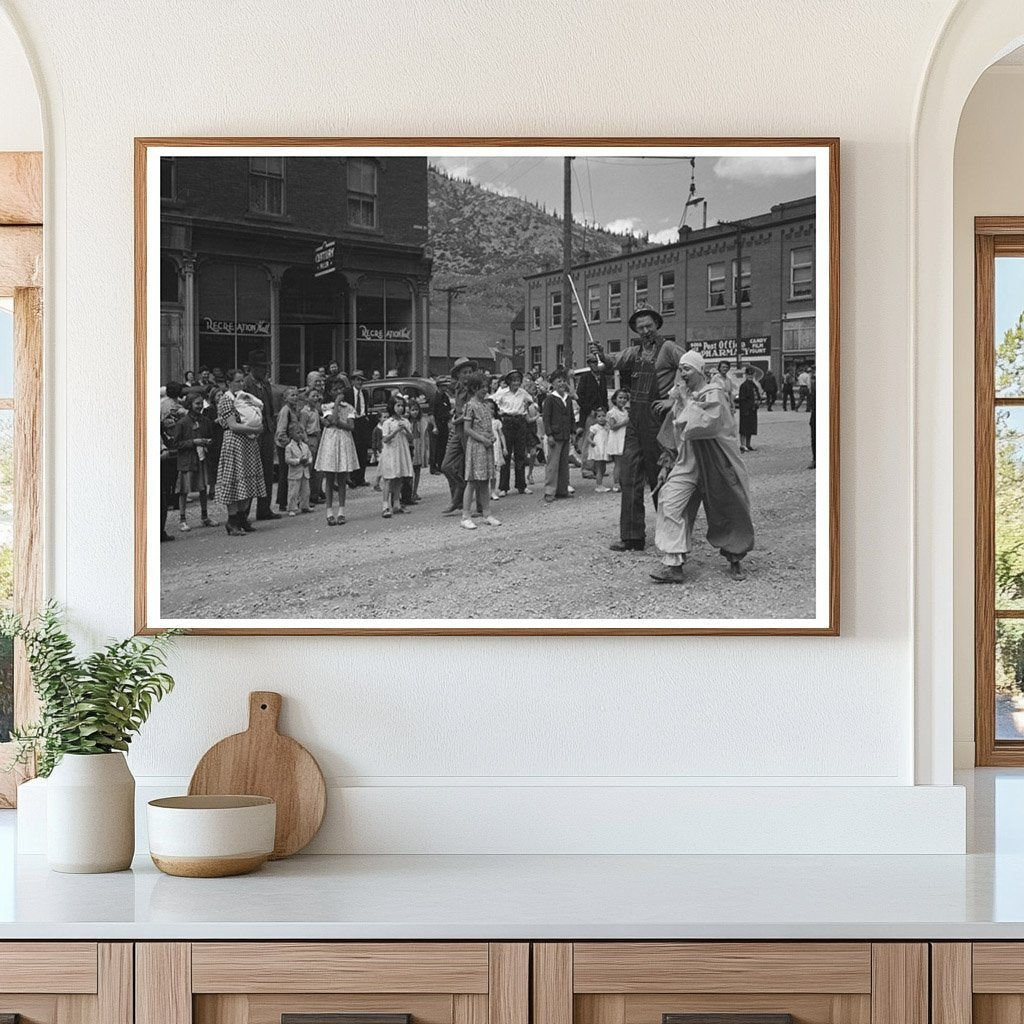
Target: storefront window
(384, 327)
(234, 314)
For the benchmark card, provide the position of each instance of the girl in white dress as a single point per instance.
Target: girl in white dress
(598, 449)
(336, 456)
(616, 420)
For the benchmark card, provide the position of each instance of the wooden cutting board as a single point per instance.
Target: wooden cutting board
(262, 762)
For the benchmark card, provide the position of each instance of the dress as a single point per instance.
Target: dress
(748, 402)
(337, 451)
(240, 470)
(479, 455)
(616, 421)
(395, 454)
(599, 442)
(499, 444)
(420, 442)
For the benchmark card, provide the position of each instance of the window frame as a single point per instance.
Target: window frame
(552, 296)
(737, 280)
(993, 237)
(618, 305)
(594, 303)
(266, 176)
(536, 318)
(637, 301)
(662, 287)
(724, 304)
(793, 266)
(361, 196)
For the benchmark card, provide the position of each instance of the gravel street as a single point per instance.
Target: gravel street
(545, 561)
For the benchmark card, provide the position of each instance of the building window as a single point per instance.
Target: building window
(614, 346)
(744, 282)
(169, 281)
(168, 177)
(556, 309)
(266, 184)
(668, 293)
(535, 356)
(716, 286)
(362, 193)
(801, 273)
(615, 300)
(536, 318)
(798, 335)
(639, 291)
(594, 303)
(559, 352)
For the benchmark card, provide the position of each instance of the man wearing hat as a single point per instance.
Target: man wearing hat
(702, 463)
(256, 383)
(441, 412)
(513, 401)
(362, 428)
(648, 369)
(454, 464)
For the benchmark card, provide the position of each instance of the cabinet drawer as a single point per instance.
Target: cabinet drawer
(64, 967)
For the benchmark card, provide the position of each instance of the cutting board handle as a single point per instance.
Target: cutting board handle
(264, 710)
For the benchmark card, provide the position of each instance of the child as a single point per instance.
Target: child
(248, 409)
(298, 459)
(478, 427)
(395, 455)
(616, 420)
(559, 426)
(337, 456)
(309, 417)
(500, 448)
(598, 449)
(192, 435)
(421, 430)
(375, 452)
(533, 428)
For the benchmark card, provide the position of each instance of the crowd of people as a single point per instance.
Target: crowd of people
(672, 431)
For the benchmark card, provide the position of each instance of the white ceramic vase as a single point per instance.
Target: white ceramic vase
(90, 814)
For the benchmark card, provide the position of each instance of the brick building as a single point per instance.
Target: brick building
(694, 283)
(311, 258)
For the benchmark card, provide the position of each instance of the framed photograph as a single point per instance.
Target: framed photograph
(506, 386)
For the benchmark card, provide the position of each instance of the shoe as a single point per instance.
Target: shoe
(737, 571)
(246, 525)
(602, 490)
(549, 498)
(467, 524)
(399, 510)
(572, 490)
(331, 520)
(386, 514)
(669, 574)
(292, 515)
(416, 499)
(616, 489)
(452, 510)
(376, 486)
(264, 516)
(627, 545)
(339, 519)
(491, 521)
(184, 527)
(495, 495)
(305, 510)
(526, 490)
(207, 521)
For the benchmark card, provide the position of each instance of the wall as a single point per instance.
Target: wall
(433, 735)
(987, 182)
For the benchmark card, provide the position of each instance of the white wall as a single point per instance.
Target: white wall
(21, 126)
(989, 159)
(428, 717)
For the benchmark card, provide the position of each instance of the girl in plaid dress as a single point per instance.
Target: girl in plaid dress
(240, 471)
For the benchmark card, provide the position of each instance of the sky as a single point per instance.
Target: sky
(6, 353)
(1009, 292)
(644, 194)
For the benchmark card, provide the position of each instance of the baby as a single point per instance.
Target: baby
(248, 409)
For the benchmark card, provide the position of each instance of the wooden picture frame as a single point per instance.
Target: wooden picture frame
(168, 223)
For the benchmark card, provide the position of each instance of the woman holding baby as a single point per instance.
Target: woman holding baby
(240, 470)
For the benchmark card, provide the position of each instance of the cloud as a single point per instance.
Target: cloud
(756, 168)
(622, 226)
(664, 236)
(501, 188)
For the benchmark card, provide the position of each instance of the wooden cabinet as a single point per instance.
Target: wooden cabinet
(978, 983)
(310, 982)
(66, 982)
(758, 982)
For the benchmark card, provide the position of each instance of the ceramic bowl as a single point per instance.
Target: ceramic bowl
(211, 836)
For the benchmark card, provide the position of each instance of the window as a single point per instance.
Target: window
(798, 335)
(744, 283)
(536, 318)
(801, 273)
(559, 352)
(614, 346)
(169, 291)
(556, 309)
(594, 303)
(999, 486)
(266, 184)
(615, 300)
(362, 193)
(640, 291)
(716, 286)
(668, 293)
(535, 355)
(168, 178)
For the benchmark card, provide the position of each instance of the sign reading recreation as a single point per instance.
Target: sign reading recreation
(211, 326)
(381, 334)
(725, 348)
(323, 259)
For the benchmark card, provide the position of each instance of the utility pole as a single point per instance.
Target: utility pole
(567, 289)
(451, 292)
(739, 291)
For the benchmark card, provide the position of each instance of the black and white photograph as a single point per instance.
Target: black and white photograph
(559, 386)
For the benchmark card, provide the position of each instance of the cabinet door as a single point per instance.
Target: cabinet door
(981, 982)
(332, 983)
(66, 982)
(730, 983)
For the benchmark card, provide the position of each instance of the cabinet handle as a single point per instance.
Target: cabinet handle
(727, 1018)
(337, 1018)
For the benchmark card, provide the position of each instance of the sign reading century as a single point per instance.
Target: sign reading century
(323, 258)
(725, 348)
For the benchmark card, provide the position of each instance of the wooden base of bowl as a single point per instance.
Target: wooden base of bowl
(209, 867)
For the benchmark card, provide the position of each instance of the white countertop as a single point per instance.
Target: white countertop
(496, 897)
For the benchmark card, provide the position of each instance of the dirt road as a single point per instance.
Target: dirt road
(545, 561)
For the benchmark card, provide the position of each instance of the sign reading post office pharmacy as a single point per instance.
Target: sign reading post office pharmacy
(460, 386)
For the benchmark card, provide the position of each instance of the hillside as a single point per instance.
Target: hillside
(485, 242)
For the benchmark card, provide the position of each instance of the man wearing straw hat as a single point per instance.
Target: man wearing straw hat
(648, 369)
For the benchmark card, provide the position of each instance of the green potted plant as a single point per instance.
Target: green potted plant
(89, 710)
